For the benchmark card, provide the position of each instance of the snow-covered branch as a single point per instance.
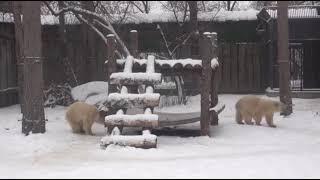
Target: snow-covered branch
(105, 23)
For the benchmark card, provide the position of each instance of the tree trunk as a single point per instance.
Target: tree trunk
(33, 83)
(283, 56)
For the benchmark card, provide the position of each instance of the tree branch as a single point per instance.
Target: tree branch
(234, 3)
(97, 18)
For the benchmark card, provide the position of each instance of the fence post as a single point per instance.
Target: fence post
(111, 64)
(206, 56)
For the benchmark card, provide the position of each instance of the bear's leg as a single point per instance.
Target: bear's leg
(258, 119)
(87, 127)
(76, 127)
(269, 119)
(248, 118)
(238, 117)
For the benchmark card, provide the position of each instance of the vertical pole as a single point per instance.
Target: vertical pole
(112, 61)
(206, 56)
(134, 43)
(33, 78)
(270, 54)
(214, 80)
(283, 56)
(134, 51)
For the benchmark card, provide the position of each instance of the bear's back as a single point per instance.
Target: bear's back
(79, 110)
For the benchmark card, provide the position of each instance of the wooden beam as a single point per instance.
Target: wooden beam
(283, 56)
(206, 56)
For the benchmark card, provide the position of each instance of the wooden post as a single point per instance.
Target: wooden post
(270, 54)
(206, 56)
(133, 48)
(283, 56)
(33, 78)
(214, 80)
(111, 64)
(134, 43)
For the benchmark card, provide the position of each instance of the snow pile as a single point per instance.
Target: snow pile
(82, 92)
(94, 93)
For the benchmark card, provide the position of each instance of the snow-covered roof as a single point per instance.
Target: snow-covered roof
(217, 16)
(297, 12)
(154, 17)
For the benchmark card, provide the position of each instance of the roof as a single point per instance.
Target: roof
(297, 12)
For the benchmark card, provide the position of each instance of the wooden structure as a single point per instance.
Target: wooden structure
(148, 72)
(304, 43)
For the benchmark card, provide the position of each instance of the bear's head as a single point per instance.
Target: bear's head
(279, 106)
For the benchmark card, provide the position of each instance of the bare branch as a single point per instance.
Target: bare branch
(234, 3)
(165, 40)
(97, 18)
(92, 27)
(110, 28)
(133, 3)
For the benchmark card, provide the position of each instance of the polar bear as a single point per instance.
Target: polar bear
(249, 107)
(81, 117)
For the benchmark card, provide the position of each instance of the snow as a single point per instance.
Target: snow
(218, 16)
(170, 62)
(152, 17)
(131, 97)
(128, 140)
(214, 63)
(136, 117)
(135, 77)
(94, 93)
(234, 151)
(83, 91)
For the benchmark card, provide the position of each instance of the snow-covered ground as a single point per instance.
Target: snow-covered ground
(234, 151)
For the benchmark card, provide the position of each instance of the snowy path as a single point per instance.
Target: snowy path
(234, 151)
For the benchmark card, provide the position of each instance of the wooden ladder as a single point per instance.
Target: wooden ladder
(124, 100)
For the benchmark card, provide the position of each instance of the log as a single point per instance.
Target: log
(119, 101)
(135, 78)
(145, 141)
(206, 55)
(138, 120)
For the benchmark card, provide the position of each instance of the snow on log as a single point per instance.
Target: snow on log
(194, 63)
(145, 141)
(118, 101)
(128, 65)
(214, 63)
(138, 120)
(150, 64)
(135, 78)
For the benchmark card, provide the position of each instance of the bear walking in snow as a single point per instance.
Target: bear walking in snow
(81, 117)
(249, 107)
